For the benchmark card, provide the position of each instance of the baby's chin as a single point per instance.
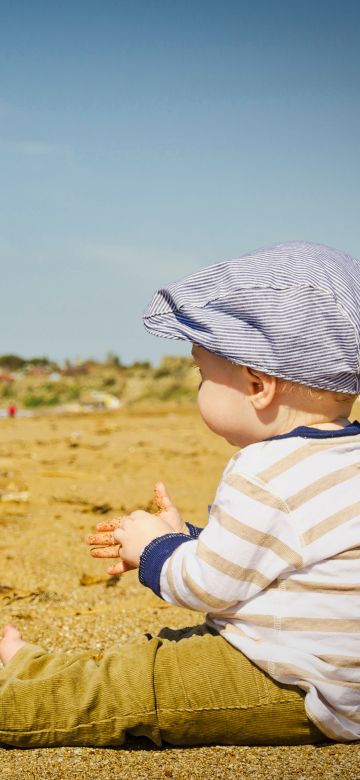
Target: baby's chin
(240, 442)
(237, 444)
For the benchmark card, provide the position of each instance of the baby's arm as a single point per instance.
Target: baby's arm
(249, 542)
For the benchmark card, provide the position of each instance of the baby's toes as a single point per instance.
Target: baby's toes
(10, 632)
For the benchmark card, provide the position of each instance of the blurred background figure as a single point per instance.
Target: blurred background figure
(11, 410)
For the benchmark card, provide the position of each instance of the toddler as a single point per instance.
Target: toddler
(276, 337)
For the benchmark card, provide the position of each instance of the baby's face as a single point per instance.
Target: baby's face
(223, 401)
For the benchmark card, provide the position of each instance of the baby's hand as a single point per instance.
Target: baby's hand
(128, 540)
(109, 544)
(136, 532)
(167, 510)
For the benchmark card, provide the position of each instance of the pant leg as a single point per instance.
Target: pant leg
(198, 690)
(208, 692)
(50, 699)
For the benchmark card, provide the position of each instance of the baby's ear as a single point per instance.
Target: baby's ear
(261, 388)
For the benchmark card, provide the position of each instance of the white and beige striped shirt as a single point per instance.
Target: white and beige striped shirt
(277, 569)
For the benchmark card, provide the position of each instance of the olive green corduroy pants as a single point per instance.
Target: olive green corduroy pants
(195, 690)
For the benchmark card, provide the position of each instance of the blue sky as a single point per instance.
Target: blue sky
(141, 140)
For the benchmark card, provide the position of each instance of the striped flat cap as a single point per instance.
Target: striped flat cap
(291, 310)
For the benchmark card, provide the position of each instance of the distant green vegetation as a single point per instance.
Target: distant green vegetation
(40, 382)
(7, 391)
(32, 401)
(16, 363)
(12, 362)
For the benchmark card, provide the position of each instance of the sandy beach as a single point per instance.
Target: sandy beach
(59, 476)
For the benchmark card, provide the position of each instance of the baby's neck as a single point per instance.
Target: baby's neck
(329, 425)
(302, 419)
(289, 415)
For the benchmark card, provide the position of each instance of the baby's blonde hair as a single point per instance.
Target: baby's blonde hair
(316, 394)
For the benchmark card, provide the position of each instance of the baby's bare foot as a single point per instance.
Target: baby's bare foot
(10, 643)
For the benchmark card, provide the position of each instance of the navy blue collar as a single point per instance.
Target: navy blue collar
(352, 429)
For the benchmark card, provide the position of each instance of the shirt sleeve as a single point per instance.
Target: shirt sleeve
(154, 556)
(248, 543)
(157, 552)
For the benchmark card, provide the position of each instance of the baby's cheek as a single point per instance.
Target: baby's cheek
(212, 406)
